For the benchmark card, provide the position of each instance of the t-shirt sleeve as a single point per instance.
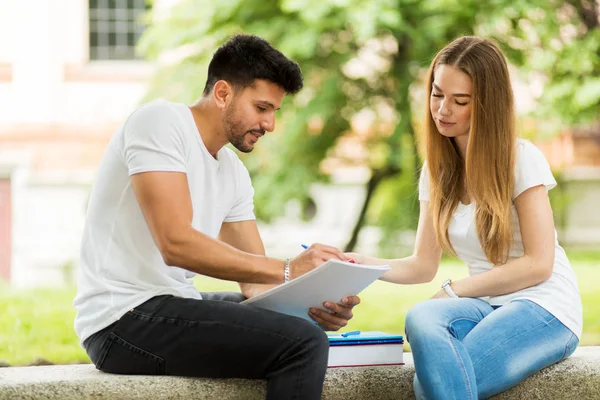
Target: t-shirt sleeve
(531, 169)
(153, 140)
(424, 183)
(243, 209)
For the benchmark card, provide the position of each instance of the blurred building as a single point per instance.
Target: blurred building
(69, 75)
(574, 155)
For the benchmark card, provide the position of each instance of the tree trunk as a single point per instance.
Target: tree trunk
(376, 179)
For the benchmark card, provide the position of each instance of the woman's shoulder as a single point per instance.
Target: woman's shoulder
(528, 154)
(525, 146)
(531, 168)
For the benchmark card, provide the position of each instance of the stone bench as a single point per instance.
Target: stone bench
(575, 378)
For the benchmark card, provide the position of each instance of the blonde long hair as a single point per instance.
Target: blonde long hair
(487, 172)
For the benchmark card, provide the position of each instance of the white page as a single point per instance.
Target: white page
(330, 281)
(372, 354)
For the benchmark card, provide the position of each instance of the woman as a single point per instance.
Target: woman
(484, 197)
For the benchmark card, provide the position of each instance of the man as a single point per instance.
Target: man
(171, 202)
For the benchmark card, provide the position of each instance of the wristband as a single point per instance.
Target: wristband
(446, 286)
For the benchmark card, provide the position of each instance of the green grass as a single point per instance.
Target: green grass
(39, 323)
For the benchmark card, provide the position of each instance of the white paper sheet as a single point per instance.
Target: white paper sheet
(331, 281)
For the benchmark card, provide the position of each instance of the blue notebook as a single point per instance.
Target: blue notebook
(363, 338)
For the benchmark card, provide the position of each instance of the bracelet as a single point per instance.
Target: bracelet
(286, 270)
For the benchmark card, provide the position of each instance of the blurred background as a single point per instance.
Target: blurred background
(341, 167)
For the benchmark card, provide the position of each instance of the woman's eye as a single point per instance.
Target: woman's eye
(436, 95)
(461, 104)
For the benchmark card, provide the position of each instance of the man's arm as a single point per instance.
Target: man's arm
(167, 207)
(244, 235)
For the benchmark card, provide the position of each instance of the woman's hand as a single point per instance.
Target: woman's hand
(441, 294)
(357, 258)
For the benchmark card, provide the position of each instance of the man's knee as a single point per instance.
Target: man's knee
(314, 340)
(318, 337)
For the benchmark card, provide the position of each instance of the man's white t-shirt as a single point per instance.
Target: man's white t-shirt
(559, 295)
(121, 266)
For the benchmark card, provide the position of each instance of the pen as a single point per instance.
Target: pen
(306, 247)
(350, 333)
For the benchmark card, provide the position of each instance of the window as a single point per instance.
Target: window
(115, 28)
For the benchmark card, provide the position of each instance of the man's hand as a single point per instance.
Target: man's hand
(338, 315)
(312, 257)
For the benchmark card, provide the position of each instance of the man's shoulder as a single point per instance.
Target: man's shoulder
(156, 110)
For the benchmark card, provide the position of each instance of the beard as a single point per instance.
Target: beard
(236, 133)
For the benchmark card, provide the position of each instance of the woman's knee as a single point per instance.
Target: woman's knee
(421, 318)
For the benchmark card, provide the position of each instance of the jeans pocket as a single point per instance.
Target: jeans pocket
(121, 357)
(571, 346)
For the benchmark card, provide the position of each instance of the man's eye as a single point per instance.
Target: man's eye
(261, 108)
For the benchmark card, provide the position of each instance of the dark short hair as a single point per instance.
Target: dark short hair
(246, 58)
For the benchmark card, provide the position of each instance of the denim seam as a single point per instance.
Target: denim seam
(151, 318)
(509, 339)
(116, 339)
(535, 307)
(461, 364)
(567, 346)
(106, 345)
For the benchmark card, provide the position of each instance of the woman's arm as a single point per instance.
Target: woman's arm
(423, 264)
(535, 266)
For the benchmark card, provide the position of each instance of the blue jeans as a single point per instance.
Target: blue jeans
(466, 349)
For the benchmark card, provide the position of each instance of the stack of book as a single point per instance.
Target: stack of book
(359, 349)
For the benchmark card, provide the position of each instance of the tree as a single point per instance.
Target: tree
(557, 42)
(359, 58)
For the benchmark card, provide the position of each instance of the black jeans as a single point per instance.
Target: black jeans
(215, 338)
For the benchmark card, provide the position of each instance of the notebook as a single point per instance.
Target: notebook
(359, 349)
(331, 281)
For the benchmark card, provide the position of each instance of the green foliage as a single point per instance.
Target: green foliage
(557, 42)
(367, 58)
(396, 205)
(356, 57)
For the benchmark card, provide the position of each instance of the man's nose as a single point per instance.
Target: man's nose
(268, 124)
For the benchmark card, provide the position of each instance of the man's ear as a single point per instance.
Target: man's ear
(222, 93)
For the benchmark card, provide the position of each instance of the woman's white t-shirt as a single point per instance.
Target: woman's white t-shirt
(559, 295)
(121, 267)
